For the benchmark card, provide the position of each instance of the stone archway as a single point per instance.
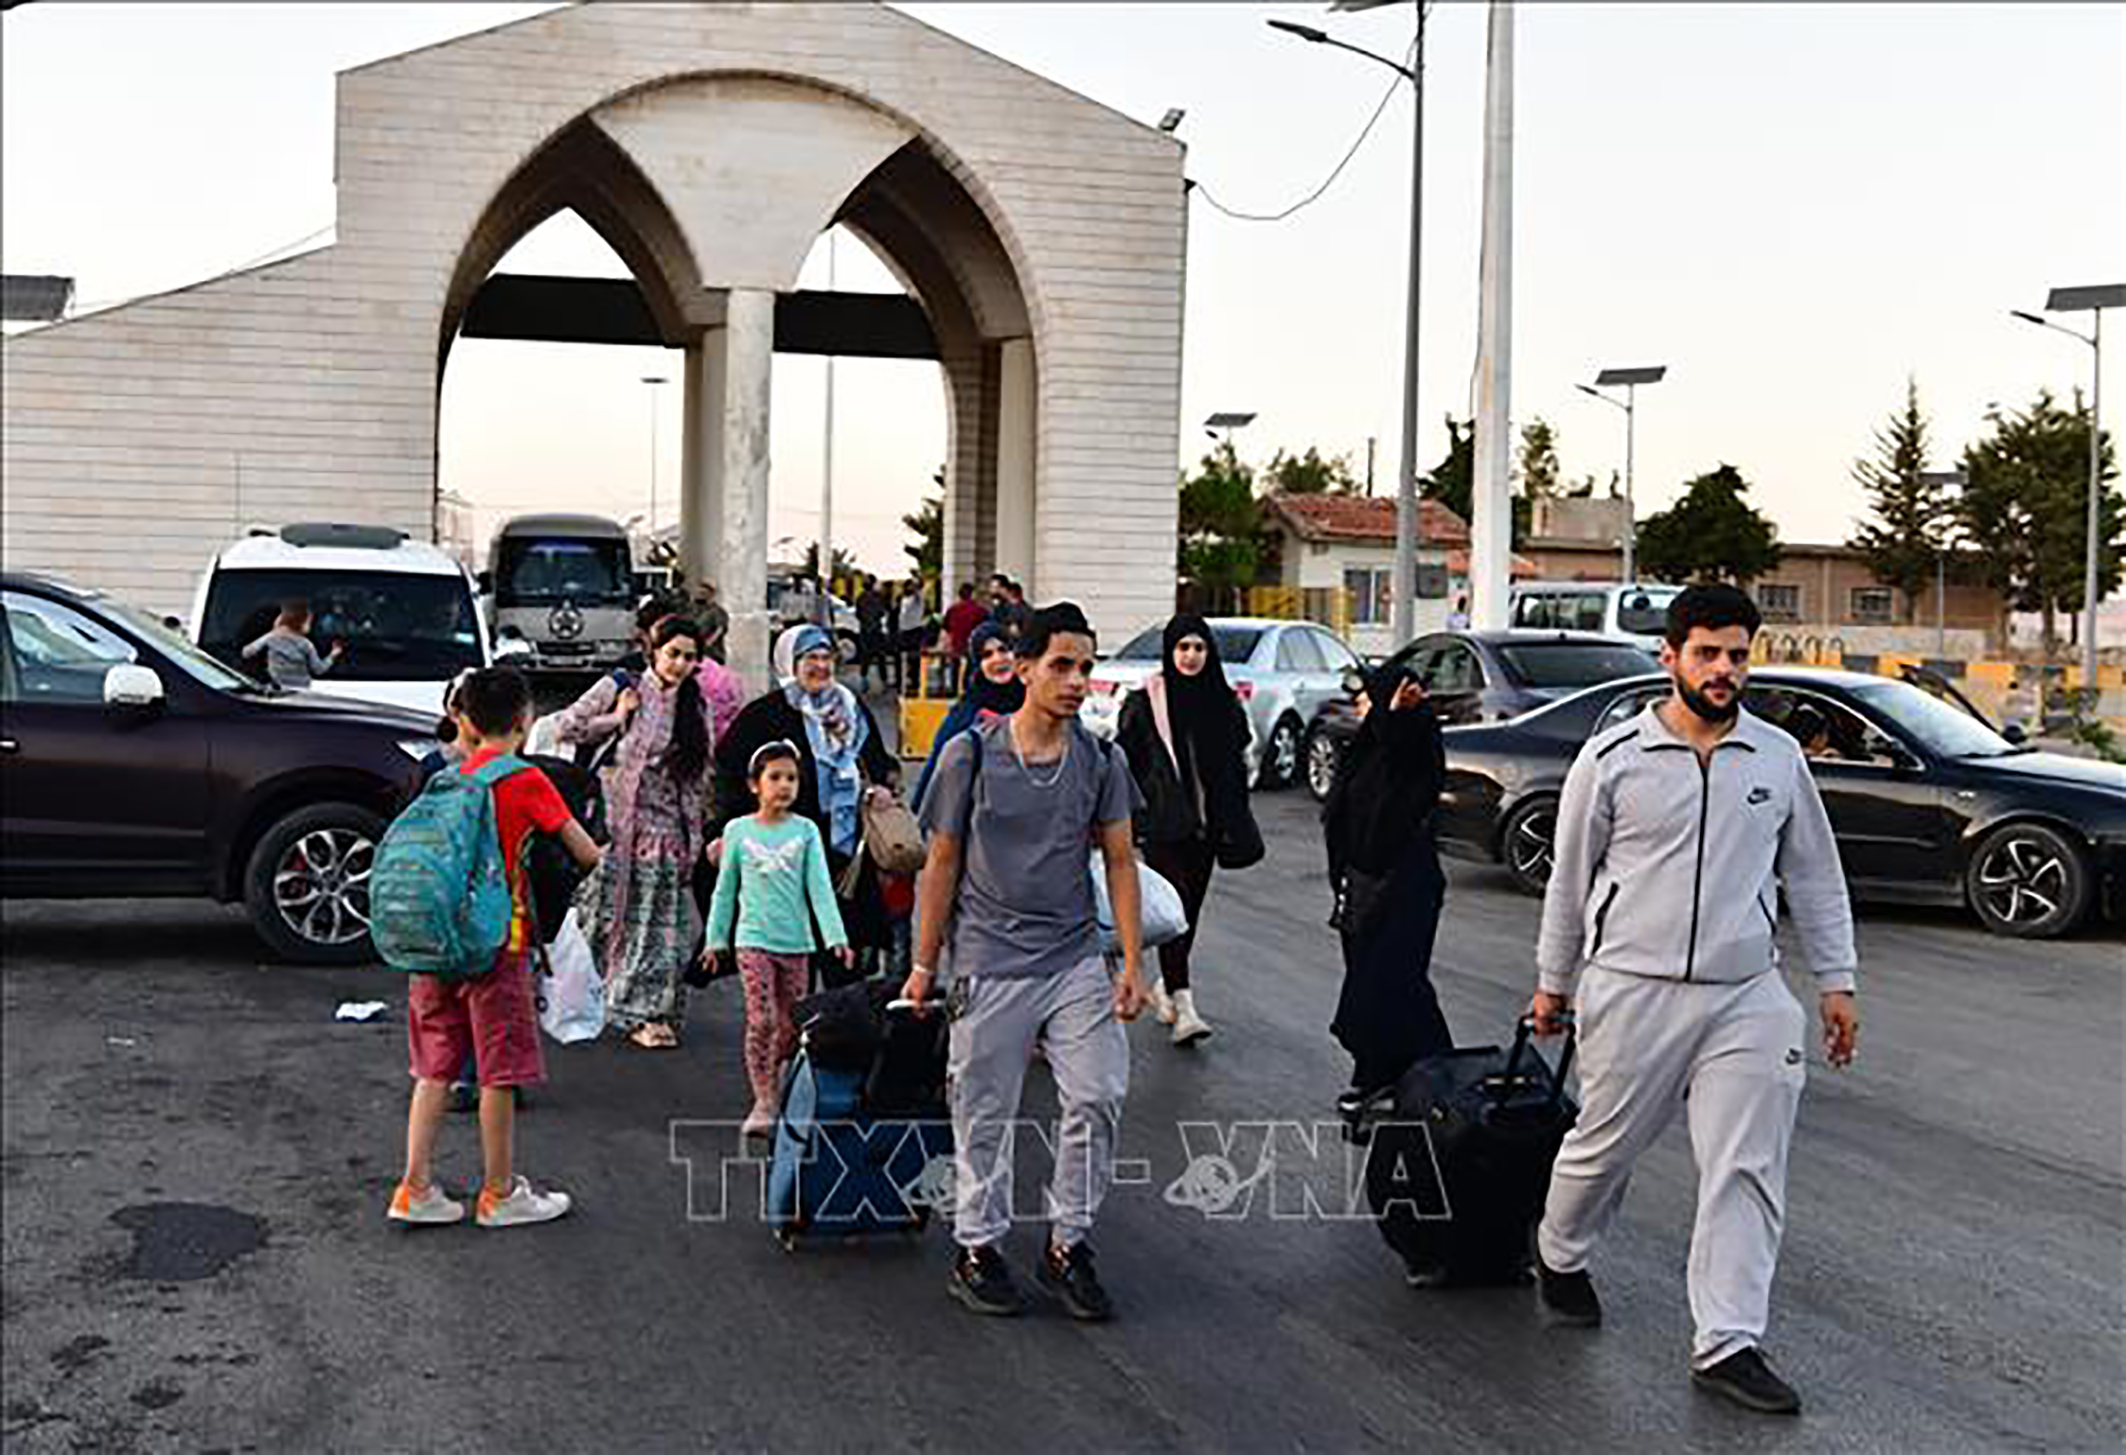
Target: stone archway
(1043, 233)
(655, 173)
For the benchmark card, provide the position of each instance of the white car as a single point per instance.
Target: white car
(1282, 672)
(403, 610)
(1607, 608)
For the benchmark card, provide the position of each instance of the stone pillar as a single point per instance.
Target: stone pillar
(970, 463)
(1014, 444)
(701, 454)
(742, 575)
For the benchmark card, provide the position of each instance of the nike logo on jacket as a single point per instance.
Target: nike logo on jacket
(1669, 867)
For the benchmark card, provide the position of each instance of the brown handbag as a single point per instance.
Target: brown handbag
(892, 836)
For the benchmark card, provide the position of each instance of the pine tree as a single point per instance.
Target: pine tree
(1541, 475)
(1909, 515)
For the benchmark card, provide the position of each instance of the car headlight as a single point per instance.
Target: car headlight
(417, 748)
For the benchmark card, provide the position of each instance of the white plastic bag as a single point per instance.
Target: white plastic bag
(1160, 911)
(545, 735)
(573, 1005)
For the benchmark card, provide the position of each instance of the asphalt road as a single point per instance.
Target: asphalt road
(1952, 1277)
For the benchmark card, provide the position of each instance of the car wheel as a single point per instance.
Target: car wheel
(1323, 758)
(1280, 761)
(1528, 843)
(307, 885)
(2028, 881)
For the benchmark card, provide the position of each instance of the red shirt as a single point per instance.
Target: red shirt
(526, 802)
(961, 621)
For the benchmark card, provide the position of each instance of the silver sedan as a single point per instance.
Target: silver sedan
(1281, 670)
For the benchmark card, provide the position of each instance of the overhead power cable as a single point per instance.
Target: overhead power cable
(1327, 182)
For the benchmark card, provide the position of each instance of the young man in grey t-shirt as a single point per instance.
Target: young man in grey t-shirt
(1011, 813)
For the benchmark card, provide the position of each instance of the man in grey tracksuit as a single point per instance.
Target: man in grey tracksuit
(1676, 830)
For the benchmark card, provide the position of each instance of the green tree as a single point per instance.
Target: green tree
(2026, 503)
(844, 563)
(1309, 474)
(1452, 481)
(1711, 534)
(1910, 516)
(1542, 477)
(1219, 522)
(926, 527)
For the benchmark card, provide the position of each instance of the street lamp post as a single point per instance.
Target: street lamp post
(1631, 379)
(1406, 519)
(1953, 479)
(653, 380)
(2093, 301)
(1227, 420)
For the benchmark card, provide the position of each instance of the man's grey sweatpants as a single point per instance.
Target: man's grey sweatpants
(1730, 1057)
(998, 1023)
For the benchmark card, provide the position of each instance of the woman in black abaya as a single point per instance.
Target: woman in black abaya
(1384, 866)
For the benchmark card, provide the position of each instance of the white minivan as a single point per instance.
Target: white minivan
(402, 610)
(1638, 612)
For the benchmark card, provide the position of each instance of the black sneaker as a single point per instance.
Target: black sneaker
(464, 1096)
(1745, 1378)
(982, 1281)
(1568, 1298)
(1068, 1273)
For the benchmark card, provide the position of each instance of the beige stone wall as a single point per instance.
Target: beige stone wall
(123, 431)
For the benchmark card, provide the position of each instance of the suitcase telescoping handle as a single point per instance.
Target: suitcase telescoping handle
(1523, 1029)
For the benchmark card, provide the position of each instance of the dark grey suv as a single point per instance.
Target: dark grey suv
(133, 765)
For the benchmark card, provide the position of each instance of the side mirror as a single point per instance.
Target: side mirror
(1354, 683)
(131, 685)
(486, 582)
(2015, 735)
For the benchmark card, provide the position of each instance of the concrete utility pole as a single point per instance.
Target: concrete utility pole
(1491, 531)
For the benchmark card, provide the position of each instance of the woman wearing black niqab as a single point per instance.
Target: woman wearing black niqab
(1384, 866)
(1186, 737)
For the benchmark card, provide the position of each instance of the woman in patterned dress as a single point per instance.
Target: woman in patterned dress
(639, 908)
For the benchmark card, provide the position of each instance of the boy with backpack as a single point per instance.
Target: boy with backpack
(451, 906)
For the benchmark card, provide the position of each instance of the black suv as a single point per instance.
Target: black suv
(134, 765)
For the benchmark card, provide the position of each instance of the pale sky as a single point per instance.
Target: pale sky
(1792, 206)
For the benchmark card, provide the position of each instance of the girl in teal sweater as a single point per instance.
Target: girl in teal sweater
(771, 890)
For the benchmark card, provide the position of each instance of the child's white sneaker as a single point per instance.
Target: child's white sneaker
(524, 1204)
(432, 1206)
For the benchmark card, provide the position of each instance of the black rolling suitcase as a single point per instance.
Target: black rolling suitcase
(1459, 1154)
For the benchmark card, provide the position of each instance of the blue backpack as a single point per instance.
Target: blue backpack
(439, 900)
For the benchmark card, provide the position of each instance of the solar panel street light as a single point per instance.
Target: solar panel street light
(2091, 299)
(1628, 379)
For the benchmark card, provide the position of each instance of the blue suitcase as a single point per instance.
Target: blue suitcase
(838, 1170)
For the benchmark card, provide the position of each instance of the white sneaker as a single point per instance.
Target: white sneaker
(760, 1121)
(525, 1204)
(1189, 1027)
(432, 1206)
(1162, 1003)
